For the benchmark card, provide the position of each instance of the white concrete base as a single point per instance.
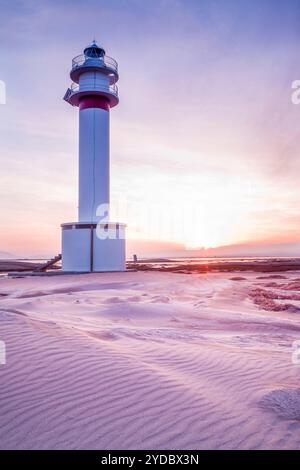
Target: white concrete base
(83, 250)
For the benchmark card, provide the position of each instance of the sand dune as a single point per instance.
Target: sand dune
(149, 360)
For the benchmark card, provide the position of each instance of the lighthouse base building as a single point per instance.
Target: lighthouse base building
(94, 243)
(84, 251)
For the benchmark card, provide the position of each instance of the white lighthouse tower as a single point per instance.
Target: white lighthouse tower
(94, 243)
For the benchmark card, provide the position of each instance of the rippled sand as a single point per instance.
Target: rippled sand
(150, 360)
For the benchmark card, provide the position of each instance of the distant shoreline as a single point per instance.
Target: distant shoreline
(255, 265)
(186, 266)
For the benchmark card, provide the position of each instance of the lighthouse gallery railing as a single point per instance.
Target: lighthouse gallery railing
(75, 87)
(109, 62)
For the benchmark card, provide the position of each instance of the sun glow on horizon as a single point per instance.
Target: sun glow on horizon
(206, 210)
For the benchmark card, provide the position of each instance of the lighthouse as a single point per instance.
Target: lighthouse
(93, 243)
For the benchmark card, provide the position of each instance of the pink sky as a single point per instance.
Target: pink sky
(204, 143)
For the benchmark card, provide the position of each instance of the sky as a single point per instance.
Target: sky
(204, 143)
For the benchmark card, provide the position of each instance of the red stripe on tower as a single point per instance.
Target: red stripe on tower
(94, 101)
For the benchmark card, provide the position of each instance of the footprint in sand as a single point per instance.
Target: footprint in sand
(200, 303)
(284, 402)
(103, 335)
(160, 299)
(114, 300)
(134, 298)
(174, 319)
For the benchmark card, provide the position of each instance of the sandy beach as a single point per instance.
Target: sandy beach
(158, 360)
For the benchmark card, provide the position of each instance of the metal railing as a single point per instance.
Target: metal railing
(107, 61)
(75, 87)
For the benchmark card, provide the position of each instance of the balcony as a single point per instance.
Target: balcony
(106, 64)
(75, 92)
(112, 89)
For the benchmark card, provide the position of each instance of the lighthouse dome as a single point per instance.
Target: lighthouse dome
(94, 51)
